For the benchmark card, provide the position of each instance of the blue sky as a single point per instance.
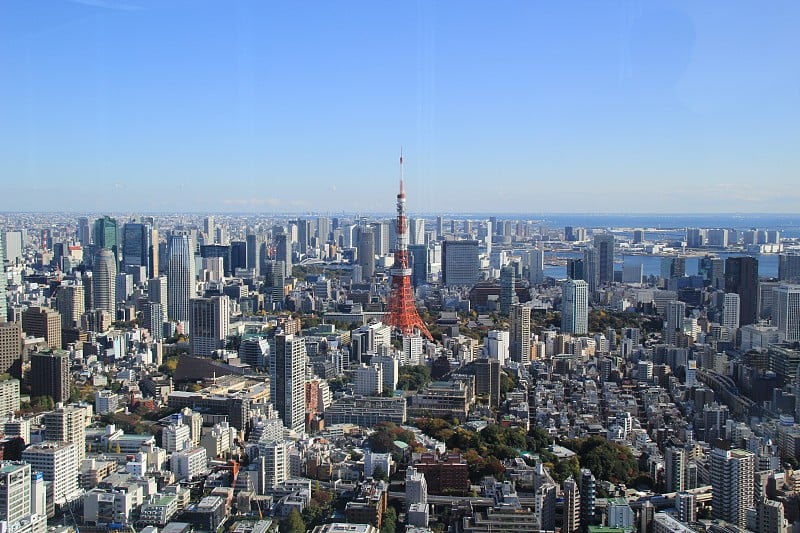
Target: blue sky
(179, 105)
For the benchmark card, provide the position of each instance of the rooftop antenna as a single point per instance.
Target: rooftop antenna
(402, 187)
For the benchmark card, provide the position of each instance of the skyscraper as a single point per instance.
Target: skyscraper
(418, 256)
(575, 307)
(11, 348)
(366, 252)
(675, 314)
(3, 280)
(732, 485)
(180, 277)
(287, 380)
(460, 263)
(50, 375)
(730, 310)
(741, 277)
(604, 258)
(254, 253)
(519, 348)
(283, 252)
(105, 235)
(84, 233)
(157, 293)
(507, 292)
(536, 266)
(43, 322)
(786, 311)
(789, 267)
(208, 323)
(137, 246)
(713, 271)
(104, 281)
(274, 282)
(70, 301)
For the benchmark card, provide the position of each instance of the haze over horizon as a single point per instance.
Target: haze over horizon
(145, 106)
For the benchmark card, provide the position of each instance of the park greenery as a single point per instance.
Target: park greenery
(485, 450)
(414, 377)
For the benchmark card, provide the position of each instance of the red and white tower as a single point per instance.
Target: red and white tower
(401, 313)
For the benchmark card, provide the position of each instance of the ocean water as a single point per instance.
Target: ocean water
(651, 264)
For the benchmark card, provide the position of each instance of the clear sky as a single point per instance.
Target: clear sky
(524, 106)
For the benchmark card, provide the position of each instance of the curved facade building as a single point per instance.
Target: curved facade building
(104, 281)
(180, 277)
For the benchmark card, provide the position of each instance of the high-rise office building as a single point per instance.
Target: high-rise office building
(153, 319)
(238, 255)
(460, 264)
(732, 485)
(106, 235)
(123, 287)
(730, 310)
(254, 252)
(208, 323)
(786, 312)
(487, 379)
(508, 295)
(283, 252)
(3, 280)
(84, 233)
(287, 380)
(575, 307)
(71, 304)
(789, 268)
(43, 322)
(157, 293)
(741, 277)
(67, 424)
(536, 266)
(685, 503)
(519, 348)
(11, 348)
(50, 375)
(180, 277)
(604, 257)
(366, 252)
(274, 283)
(418, 257)
(104, 282)
(575, 269)
(674, 316)
(417, 232)
(713, 271)
(137, 247)
(218, 250)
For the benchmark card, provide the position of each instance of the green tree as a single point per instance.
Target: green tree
(380, 474)
(293, 523)
(389, 520)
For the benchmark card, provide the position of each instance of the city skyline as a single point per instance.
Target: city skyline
(214, 107)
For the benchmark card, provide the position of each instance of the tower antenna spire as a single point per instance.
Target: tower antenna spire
(402, 186)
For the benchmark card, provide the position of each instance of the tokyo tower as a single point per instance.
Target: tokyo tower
(401, 313)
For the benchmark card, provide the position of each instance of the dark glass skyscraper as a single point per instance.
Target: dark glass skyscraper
(105, 235)
(741, 277)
